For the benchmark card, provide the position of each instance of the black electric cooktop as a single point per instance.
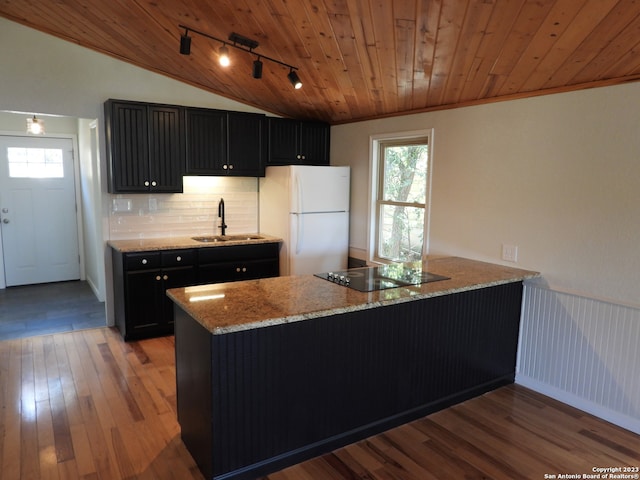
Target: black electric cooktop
(368, 279)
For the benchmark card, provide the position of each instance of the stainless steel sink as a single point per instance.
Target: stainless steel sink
(226, 238)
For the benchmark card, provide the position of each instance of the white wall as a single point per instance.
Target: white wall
(558, 176)
(42, 74)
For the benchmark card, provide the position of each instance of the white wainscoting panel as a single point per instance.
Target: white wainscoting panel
(582, 351)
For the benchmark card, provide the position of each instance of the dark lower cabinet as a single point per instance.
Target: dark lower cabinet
(230, 264)
(256, 401)
(141, 279)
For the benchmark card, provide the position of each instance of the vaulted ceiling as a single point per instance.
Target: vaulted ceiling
(361, 59)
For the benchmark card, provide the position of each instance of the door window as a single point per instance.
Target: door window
(35, 162)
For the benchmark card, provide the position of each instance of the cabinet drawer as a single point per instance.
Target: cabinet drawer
(142, 260)
(176, 258)
(237, 252)
(239, 270)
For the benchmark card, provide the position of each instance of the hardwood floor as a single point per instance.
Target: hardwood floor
(87, 405)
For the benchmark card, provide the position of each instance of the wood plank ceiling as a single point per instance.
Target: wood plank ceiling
(361, 59)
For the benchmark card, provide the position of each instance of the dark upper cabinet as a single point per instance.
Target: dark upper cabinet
(225, 143)
(292, 142)
(247, 134)
(206, 141)
(145, 147)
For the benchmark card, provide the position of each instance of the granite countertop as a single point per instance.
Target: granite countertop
(174, 243)
(229, 307)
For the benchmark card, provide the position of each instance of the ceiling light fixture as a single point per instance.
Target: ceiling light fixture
(238, 42)
(294, 79)
(224, 56)
(185, 43)
(35, 126)
(257, 68)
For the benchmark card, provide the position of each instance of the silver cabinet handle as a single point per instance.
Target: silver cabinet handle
(158, 277)
(5, 220)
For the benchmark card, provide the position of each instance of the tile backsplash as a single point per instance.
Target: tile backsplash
(193, 212)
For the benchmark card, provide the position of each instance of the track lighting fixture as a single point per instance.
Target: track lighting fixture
(224, 56)
(185, 43)
(257, 68)
(238, 42)
(294, 79)
(35, 126)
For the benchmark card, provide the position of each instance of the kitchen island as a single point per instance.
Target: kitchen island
(274, 371)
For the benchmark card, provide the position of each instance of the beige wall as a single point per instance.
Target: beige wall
(557, 175)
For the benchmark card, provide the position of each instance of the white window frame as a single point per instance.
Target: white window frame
(374, 185)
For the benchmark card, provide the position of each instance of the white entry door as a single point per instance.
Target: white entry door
(38, 218)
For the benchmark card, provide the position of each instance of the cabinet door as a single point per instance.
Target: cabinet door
(314, 143)
(206, 141)
(166, 149)
(128, 146)
(284, 141)
(143, 300)
(175, 278)
(145, 145)
(246, 144)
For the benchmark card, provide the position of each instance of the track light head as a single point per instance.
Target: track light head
(294, 79)
(224, 56)
(257, 68)
(185, 44)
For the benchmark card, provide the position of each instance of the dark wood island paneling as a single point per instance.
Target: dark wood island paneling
(254, 401)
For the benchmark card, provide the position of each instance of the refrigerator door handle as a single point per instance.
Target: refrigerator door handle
(298, 233)
(298, 191)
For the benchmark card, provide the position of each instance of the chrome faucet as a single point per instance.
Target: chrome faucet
(223, 227)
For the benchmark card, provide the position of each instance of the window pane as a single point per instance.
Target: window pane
(405, 170)
(35, 162)
(401, 233)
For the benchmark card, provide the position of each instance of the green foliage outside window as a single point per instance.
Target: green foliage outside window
(402, 202)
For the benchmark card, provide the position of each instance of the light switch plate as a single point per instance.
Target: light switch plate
(510, 253)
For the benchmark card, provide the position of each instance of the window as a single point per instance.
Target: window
(35, 162)
(401, 198)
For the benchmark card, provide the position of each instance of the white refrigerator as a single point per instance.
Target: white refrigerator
(308, 207)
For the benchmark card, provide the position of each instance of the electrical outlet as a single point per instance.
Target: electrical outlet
(121, 205)
(510, 253)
